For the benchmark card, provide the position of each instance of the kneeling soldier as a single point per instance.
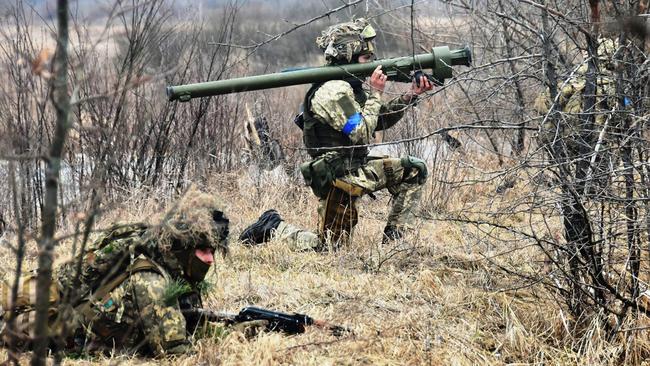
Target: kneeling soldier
(339, 119)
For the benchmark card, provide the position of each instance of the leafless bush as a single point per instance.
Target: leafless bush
(586, 182)
(581, 197)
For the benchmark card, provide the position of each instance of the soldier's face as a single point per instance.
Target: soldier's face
(206, 255)
(366, 57)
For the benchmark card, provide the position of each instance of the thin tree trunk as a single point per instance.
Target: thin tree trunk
(518, 146)
(61, 103)
(20, 256)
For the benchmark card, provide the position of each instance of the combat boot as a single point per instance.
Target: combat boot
(260, 231)
(391, 233)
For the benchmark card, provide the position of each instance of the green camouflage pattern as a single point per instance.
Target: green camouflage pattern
(607, 47)
(346, 40)
(334, 102)
(296, 238)
(141, 310)
(379, 173)
(188, 223)
(570, 96)
(139, 314)
(570, 127)
(403, 184)
(588, 144)
(105, 258)
(196, 220)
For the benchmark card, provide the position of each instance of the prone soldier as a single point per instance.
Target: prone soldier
(138, 289)
(138, 283)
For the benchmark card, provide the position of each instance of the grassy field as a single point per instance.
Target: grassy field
(436, 298)
(448, 294)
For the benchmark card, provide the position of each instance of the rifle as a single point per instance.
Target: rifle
(277, 321)
(401, 69)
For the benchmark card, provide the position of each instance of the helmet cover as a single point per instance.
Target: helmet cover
(342, 42)
(196, 220)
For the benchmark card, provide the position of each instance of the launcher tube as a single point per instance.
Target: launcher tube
(439, 61)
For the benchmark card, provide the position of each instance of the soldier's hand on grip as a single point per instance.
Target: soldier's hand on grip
(422, 85)
(250, 328)
(378, 80)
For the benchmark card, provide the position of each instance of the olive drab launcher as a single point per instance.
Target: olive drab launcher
(401, 69)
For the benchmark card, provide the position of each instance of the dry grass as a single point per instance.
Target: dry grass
(432, 299)
(438, 298)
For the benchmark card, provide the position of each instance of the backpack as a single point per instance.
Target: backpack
(104, 259)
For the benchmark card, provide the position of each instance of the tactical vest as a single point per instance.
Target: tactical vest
(106, 258)
(317, 134)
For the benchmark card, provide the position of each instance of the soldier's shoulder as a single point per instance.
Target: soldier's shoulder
(149, 276)
(149, 283)
(331, 89)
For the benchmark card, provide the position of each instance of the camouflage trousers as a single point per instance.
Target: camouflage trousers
(375, 175)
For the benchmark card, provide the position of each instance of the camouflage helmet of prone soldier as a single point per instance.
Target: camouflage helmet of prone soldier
(342, 43)
(196, 221)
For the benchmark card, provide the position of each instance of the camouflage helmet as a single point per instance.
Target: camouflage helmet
(607, 48)
(342, 42)
(196, 220)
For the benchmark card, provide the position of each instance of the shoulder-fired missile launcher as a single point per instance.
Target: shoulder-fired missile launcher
(401, 69)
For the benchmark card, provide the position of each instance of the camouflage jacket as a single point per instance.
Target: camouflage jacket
(141, 313)
(569, 125)
(357, 116)
(571, 94)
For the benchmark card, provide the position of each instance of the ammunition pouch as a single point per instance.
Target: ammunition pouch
(321, 172)
(409, 162)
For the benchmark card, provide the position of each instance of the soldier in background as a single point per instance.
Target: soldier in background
(259, 141)
(570, 131)
(339, 117)
(138, 282)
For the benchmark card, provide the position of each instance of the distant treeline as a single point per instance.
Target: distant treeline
(261, 20)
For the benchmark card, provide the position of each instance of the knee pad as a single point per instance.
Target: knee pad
(411, 163)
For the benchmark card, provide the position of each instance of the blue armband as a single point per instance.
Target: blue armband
(352, 123)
